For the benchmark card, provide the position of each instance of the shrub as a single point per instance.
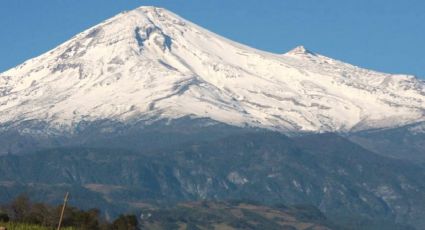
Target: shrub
(4, 218)
(125, 222)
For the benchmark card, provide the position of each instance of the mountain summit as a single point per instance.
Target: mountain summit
(149, 64)
(300, 50)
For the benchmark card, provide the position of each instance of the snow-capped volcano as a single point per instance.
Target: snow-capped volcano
(150, 64)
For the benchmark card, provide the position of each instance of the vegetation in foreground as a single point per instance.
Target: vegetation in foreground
(22, 214)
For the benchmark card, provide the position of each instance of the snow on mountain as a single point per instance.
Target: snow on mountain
(149, 64)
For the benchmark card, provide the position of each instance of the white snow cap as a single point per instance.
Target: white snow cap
(150, 64)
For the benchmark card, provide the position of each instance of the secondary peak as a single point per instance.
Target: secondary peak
(300, 50)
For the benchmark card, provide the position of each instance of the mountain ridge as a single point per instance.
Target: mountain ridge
(150, 64)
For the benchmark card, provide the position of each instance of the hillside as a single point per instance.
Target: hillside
(327, 171)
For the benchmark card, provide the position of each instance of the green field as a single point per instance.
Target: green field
(19, 226)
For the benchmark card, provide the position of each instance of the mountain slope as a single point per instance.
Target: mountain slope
(342, 179)
(407, 142)
(150, 64)
(235, 215)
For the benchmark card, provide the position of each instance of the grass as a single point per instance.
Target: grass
(20, 226)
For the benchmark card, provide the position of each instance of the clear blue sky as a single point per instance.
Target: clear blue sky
(384, 35)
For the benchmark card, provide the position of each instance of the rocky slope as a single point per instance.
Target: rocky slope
(340, 178)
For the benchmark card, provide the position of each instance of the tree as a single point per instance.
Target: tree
(39, 214)
(84, 220)
(20, 208)
(81, 219)
(4, 218)
(125, 222)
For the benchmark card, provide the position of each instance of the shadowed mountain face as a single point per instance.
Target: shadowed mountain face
(341, 178)
(116, 135)
(407, 142)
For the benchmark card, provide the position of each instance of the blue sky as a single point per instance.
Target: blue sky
(384, 35)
